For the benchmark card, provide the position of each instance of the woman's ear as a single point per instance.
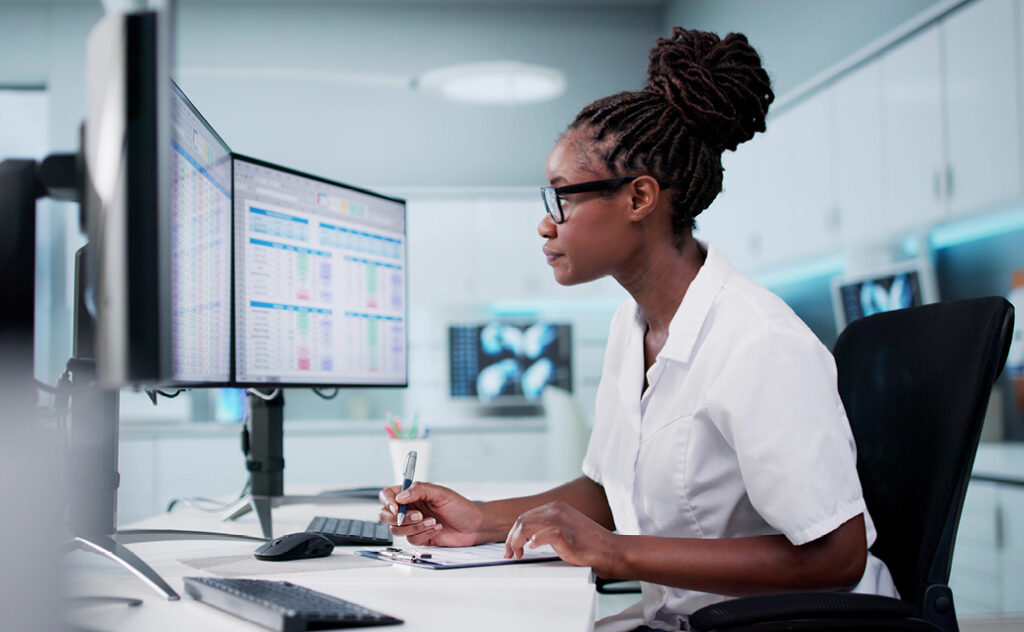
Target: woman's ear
(644, 195)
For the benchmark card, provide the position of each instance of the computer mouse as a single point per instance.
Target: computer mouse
(295, 546)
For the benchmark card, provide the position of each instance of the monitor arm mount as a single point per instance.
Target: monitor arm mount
(93, 432)
(263, 446)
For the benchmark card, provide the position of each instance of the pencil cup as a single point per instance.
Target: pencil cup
(400, 449)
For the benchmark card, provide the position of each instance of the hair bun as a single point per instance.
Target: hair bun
(718, 86)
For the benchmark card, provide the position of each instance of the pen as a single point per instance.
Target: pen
(410, 470)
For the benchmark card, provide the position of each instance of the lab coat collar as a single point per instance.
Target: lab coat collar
(693, 311)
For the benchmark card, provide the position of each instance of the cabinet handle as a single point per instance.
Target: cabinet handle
(949, 181)
(833, 220)
(1000, 529)
(937, 184)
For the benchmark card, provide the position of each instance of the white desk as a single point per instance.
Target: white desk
(537, 596)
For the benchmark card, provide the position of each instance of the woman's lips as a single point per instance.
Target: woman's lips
(551, 255)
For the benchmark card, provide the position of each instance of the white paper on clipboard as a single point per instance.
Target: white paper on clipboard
(439, 557)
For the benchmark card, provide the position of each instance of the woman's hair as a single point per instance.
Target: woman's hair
(703, 95)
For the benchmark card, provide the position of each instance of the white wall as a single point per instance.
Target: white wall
(797, 39)
(391, 136)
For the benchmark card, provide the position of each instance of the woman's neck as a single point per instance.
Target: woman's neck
(660, 278)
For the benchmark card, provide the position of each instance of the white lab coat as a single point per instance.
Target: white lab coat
(741, 432)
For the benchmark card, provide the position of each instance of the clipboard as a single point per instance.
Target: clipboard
(441, 558)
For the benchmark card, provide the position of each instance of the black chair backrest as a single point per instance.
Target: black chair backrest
(916, 384)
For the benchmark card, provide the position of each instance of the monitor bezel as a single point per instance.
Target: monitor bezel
(175, 88)
(925, 282)
(234, 277)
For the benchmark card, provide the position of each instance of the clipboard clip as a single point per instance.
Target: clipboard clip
(398, 555)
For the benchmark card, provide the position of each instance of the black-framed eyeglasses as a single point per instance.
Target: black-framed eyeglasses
(553, 195)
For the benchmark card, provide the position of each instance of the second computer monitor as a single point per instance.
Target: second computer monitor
(320, 281)
(200, 248)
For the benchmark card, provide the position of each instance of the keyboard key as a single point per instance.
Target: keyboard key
(349, 532)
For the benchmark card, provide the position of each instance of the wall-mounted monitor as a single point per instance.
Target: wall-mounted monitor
(897, 286)
(509, 363)
(320, 281)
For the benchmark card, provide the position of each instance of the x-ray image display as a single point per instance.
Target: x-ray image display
(882, 294)
(504, 362)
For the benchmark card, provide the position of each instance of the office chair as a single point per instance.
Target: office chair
(915, 383)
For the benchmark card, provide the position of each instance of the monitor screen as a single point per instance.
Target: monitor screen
(200, 248)
(508, 363)
(896, 287)
(320, 281)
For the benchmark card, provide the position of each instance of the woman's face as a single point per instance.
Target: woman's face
(597, 235)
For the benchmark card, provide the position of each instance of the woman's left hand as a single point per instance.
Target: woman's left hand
(576, 538)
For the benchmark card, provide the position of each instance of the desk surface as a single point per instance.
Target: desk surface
(549, 595)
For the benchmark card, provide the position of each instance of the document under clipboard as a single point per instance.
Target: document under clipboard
(440, 558)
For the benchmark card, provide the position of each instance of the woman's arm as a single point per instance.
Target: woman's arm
(582, 494)
(737, 566)
(441, 517)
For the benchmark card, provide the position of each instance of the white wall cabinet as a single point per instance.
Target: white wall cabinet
(815, 225)
(981, 89)
(733, 221)
(858, 155)
(928, 129)
(914, 175)
(988, 562)
(773, 189)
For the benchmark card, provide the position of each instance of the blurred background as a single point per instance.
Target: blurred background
(895, 144)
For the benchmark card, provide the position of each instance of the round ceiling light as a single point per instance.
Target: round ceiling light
(495, 83)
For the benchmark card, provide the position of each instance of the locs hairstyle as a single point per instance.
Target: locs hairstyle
(703, 95)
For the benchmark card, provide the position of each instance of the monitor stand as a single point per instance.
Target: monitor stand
(263, 445)
(93, 431)
(92, 444)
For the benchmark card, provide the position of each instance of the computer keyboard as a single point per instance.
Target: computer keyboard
(282, 606)
(346, 531)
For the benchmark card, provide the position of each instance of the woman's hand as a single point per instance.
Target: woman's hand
(576, 538)
(435, 515)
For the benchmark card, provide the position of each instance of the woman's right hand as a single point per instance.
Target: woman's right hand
(435, 515)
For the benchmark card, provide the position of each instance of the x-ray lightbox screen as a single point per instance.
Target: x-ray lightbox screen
(898, 287)
(509, 363)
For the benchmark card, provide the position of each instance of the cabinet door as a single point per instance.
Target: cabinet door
(773, 240)
(858, 156)
(814, 221)
(1011, 541)
(730, 223)
(914, 177)
(980, 56)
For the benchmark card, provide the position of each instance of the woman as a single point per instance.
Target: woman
(721, 461)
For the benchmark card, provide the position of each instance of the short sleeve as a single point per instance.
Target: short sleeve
(606, 403)
(776, 403)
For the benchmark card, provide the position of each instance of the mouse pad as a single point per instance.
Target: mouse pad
(247, 565)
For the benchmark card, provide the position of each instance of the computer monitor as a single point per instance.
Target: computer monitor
(200, 242)
(320, 281)
(509, 363)
(126, 149)
(897, 286)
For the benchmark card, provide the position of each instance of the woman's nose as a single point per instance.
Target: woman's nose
(547, 227)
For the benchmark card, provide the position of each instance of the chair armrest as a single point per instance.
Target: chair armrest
(737, 613)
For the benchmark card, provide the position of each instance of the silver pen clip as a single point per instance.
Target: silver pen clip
(393, 553)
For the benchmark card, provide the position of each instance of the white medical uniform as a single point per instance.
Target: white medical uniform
(740, 433)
